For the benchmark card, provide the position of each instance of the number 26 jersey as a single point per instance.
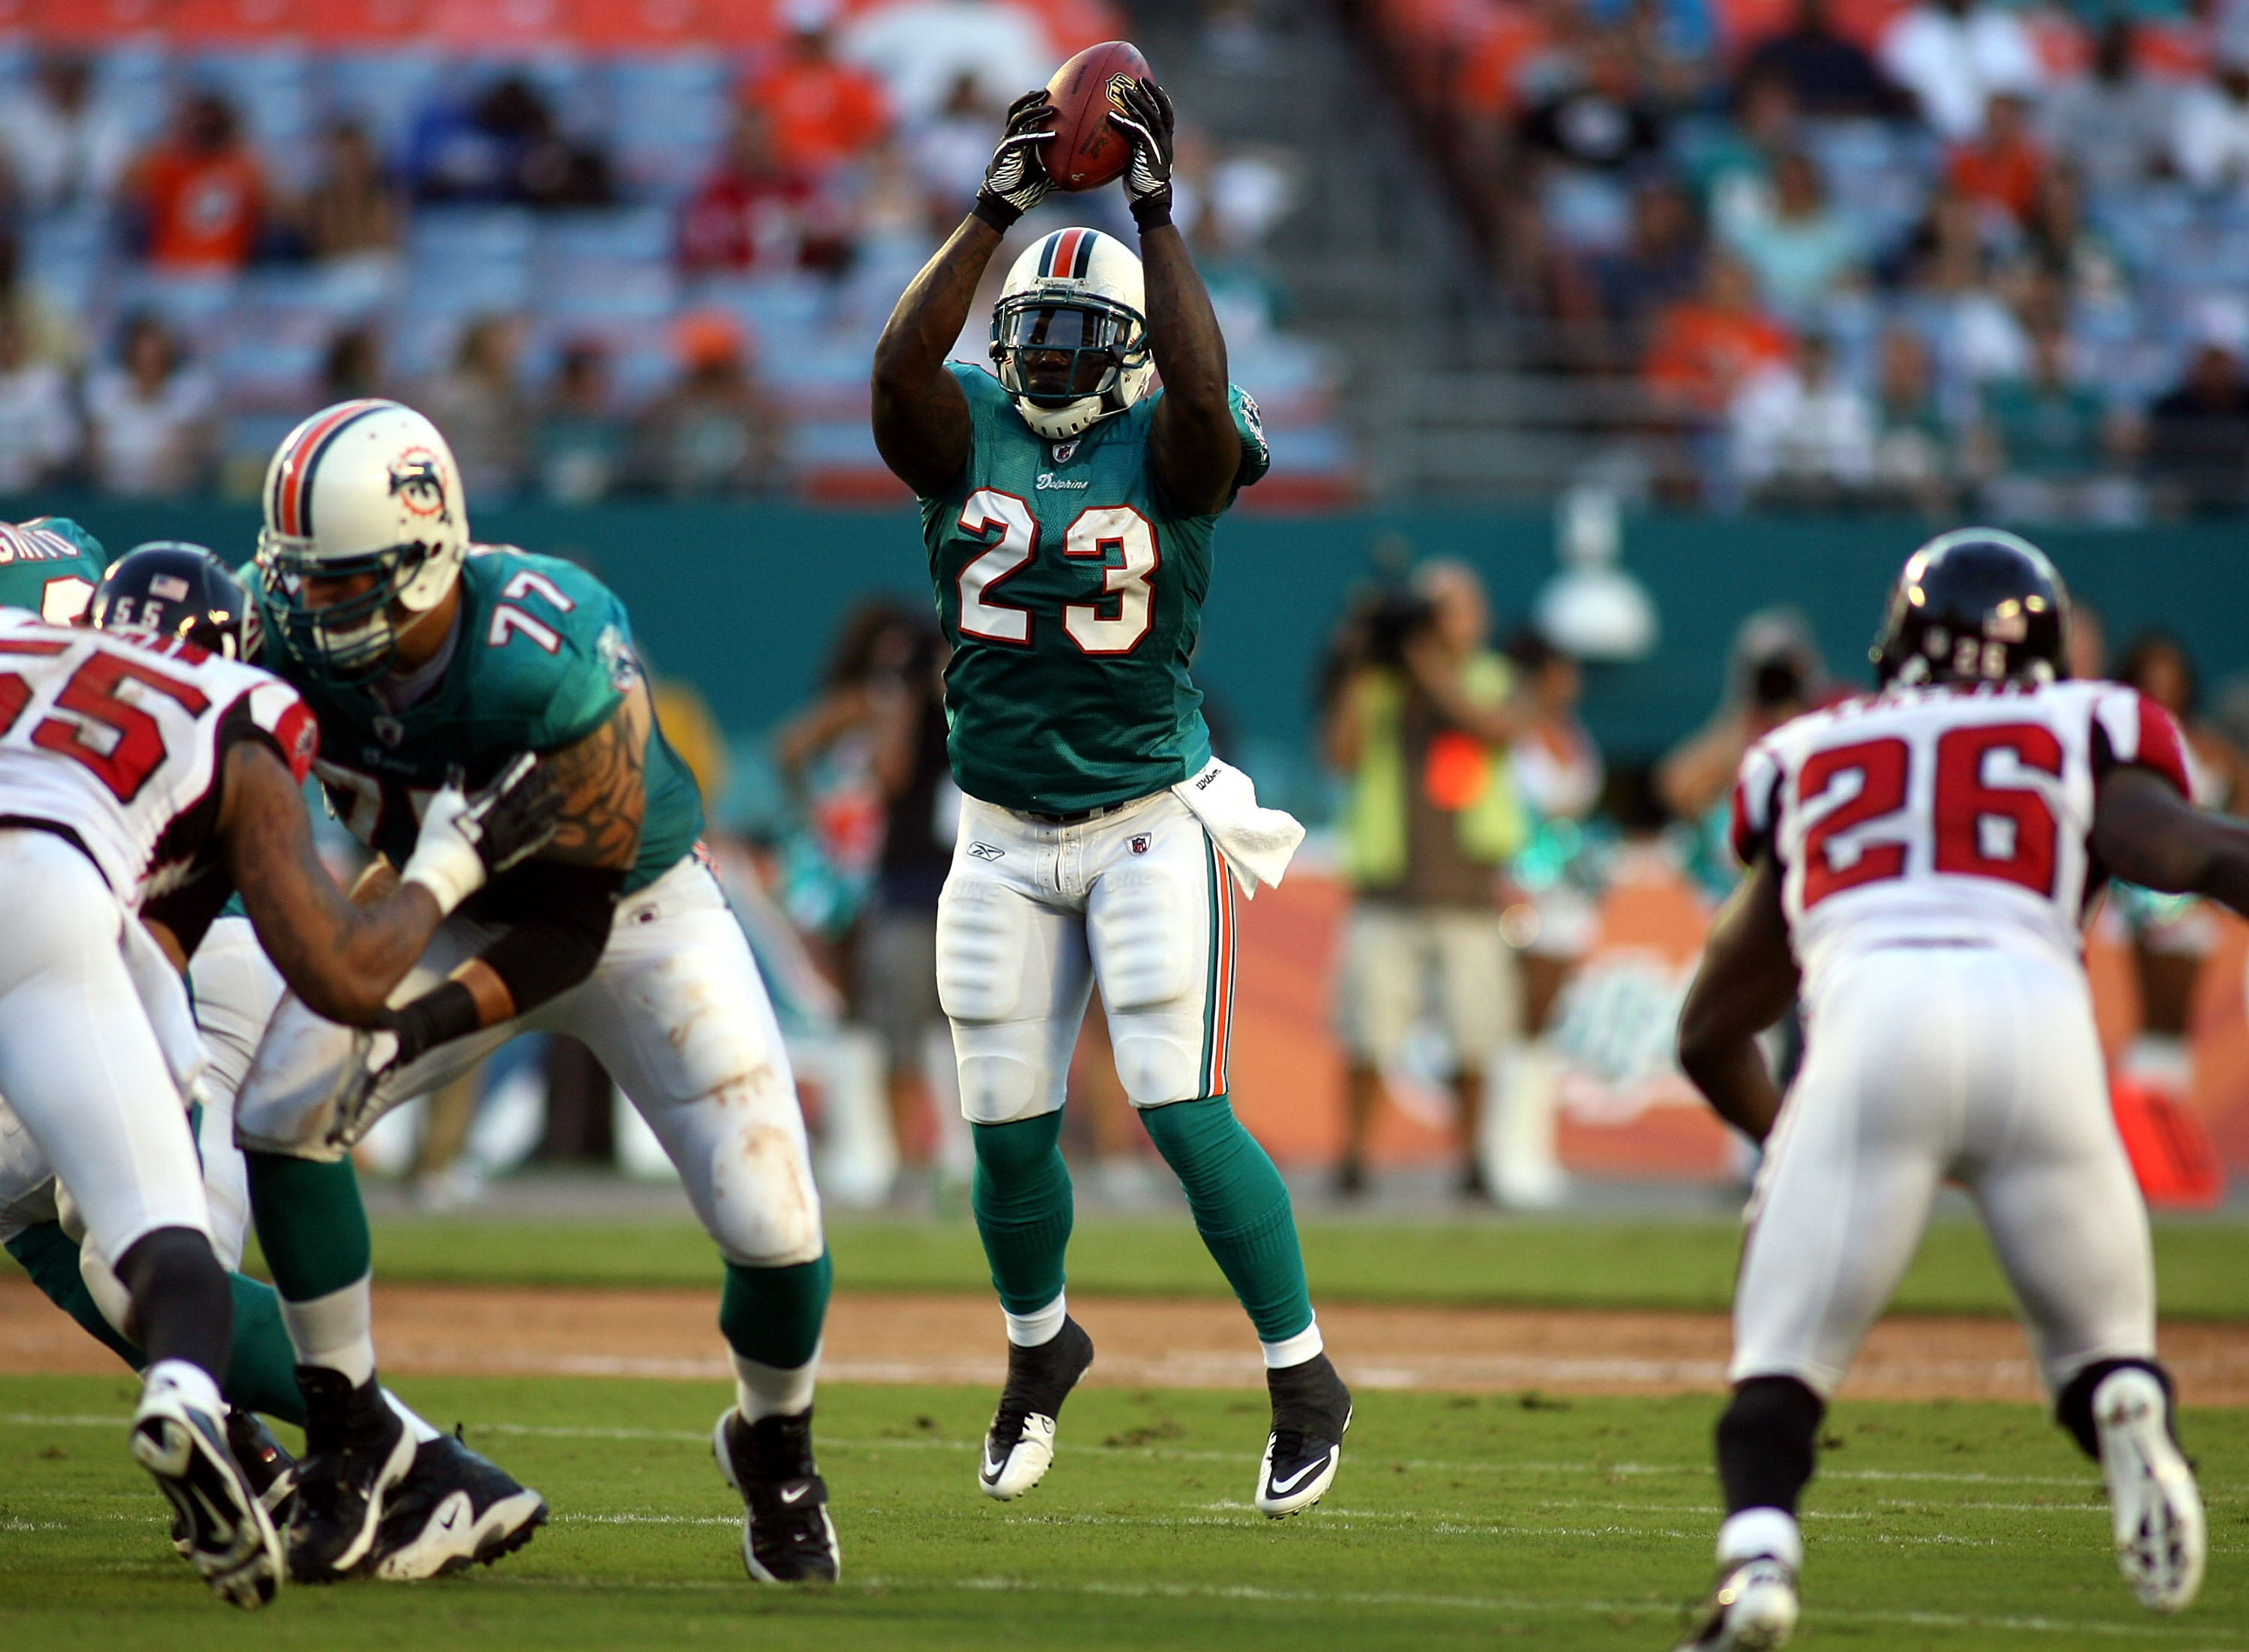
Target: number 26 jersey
(1947, 814)
(1072, 596)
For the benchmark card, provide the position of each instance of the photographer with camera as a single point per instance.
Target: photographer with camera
(1774, 673)
(1419, 717)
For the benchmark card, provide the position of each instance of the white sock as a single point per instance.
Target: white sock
(190, 1382)
(772, 1390)
(416, 1430)
(336, 1331)
(1295, 1350)
(1029, 1330)
(1758, 1532)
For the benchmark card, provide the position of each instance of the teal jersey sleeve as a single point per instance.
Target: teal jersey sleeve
(555, 649)
(1249, 425)
(51, 565)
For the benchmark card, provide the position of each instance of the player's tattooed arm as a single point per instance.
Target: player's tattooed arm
(341, 959)
(1747, 981)
(604, 782)
(920, 413)
(2145, 833)
(1193, 445)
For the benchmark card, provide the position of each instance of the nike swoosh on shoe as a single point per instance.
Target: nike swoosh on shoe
(1282, 1488)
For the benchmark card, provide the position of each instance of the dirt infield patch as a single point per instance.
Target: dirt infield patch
(882, 1337)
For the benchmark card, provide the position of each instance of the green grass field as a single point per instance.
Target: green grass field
(1457, 1522)
(2203, 1268)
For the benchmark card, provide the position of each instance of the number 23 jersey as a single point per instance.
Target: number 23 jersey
(1947, 814)
(1072, 596)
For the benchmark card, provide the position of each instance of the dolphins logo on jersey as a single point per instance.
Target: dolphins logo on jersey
(418, 484)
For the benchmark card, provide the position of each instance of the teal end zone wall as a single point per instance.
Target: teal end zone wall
(743, 599)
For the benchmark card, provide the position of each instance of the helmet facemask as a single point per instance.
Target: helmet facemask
(353, 640)
(1069, 360)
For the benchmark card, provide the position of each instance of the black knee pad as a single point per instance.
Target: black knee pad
(182, 1306)
(1766, 1443)
(2073, 1409)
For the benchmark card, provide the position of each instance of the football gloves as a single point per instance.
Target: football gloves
(1144, 116)
(467, 840)
(1017, 180)
(447, 1011)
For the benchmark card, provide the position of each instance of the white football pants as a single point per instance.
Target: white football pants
(93, 1099)
(1032, 915)
(1979, 1064)
(675, 1011)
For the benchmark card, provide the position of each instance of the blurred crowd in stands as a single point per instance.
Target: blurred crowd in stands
(651, 271)
(1944, 254)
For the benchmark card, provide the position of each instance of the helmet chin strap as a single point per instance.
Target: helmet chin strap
(448, 604)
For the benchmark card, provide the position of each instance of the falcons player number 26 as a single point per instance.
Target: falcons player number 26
(135, 748)
(1982, 829)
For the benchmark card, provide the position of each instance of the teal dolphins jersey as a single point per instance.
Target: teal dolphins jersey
(51, 565)
(543, 657)
(1072, 594)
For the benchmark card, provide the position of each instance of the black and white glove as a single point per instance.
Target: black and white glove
(1017, 180)
(404, 1036)
(466, 839)
(1146, 119)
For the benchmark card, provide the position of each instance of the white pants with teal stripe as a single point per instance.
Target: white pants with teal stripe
(1033, 915)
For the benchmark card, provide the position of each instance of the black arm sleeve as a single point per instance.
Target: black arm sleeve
(557, 918)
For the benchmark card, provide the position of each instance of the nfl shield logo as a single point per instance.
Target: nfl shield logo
(1140, 843)
(390, 731)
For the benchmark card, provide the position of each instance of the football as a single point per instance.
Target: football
(1087, 152)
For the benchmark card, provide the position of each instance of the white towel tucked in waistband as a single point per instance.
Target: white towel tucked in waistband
(1256, 842)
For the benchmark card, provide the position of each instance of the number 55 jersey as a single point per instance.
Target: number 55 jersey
(1943, 815)
(117, 748)
(1071, 592)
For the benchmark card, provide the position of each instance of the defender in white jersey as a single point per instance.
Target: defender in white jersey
(123, 769)
(1920, 865)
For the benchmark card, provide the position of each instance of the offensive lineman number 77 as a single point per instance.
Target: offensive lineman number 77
(1088, 538)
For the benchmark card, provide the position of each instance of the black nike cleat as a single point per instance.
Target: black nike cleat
(1312, 1408)
(230, 1537)
(454, 1509)
(1018, 1448)
(270, 1469)
(787, 1536)
(356, 1450)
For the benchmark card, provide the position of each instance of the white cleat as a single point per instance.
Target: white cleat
(2152, 1499)
(1019, 1445)
(221, 1527)
(1753, 1609)
(1019, 1467)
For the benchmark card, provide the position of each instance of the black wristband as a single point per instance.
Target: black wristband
(1001, 214)
(1153, 212)
(437, 1016)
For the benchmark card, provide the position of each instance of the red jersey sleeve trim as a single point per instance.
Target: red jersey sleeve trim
(2160, 746)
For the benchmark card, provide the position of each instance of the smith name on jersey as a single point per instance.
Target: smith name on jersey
(1946, 814)
(51, 565)
(1072, 594)
(542, 656)
(117, 747)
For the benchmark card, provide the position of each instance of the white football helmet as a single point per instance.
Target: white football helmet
(1069, 335)
(363, 487)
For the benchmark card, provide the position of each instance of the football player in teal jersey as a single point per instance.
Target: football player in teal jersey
(1068, 510)
(51, 565)
(421, 656)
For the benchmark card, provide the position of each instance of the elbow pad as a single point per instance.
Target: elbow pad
(558, 919)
